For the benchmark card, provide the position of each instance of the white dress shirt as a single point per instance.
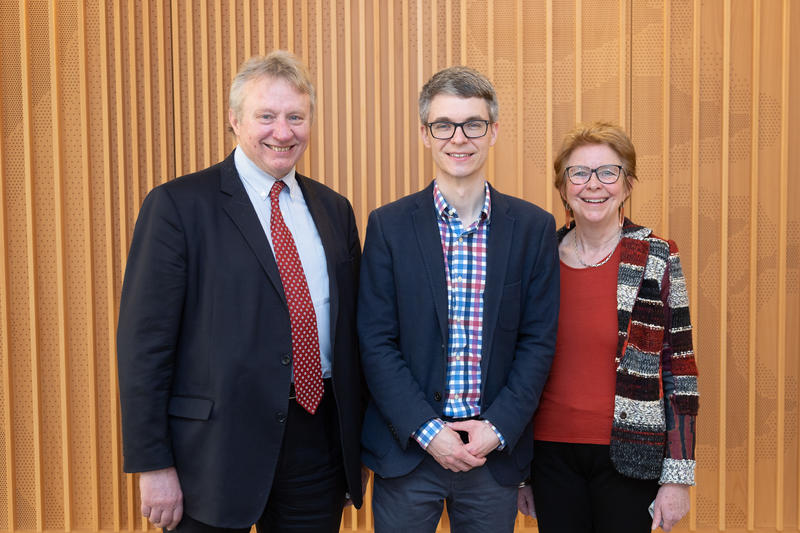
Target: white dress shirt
(298, 219)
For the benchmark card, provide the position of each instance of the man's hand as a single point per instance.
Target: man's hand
(364, 480)
(448, 450)
(482, 438)
(672, 503)
(525, 501)
(162, 499)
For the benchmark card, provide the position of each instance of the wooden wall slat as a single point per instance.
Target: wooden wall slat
(753, 264)
(61, 297)
(723, 275)
(27, 143)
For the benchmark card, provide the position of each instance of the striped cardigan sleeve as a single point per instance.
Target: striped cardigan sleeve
(679, 375)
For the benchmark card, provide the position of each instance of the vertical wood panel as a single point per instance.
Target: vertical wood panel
(753, 277)
(61, 311)
(27, 143)
(723, 275)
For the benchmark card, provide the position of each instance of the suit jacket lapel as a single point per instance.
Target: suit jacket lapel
(237, 205)
(324, 228)
(501, 236)
(426, 228)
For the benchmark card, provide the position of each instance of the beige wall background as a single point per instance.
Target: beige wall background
(101, 101)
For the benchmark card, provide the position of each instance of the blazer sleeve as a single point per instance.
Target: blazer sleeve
(150, 313)
(679, 375)
(512, 409)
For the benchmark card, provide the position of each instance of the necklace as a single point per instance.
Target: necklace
(603, 261)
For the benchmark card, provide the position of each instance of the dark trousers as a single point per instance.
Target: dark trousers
(576, 489)
(308, 492)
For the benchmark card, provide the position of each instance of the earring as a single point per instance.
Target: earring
(621, 215)
(567, 215)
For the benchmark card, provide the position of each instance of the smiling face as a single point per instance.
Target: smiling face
(273, 125)
(459, 157)
(595, 203)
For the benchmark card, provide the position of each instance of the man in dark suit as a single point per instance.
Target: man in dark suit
(239, 374)
(458, 306)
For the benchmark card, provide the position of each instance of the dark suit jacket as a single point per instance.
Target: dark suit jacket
(204, 342)
(402, 326)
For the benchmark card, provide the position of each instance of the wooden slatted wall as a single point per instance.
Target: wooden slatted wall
(101, 101)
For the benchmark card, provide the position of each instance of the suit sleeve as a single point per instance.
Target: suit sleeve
(513, 408)
(396, 392)
(679, 375)
(150, 313)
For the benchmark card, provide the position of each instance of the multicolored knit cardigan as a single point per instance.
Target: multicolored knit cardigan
(656, 401)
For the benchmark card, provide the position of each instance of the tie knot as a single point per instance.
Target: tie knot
(277, 187)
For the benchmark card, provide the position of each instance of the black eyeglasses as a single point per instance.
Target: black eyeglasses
(444, 129)
(579, 174)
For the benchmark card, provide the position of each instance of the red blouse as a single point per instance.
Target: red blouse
(577, 403)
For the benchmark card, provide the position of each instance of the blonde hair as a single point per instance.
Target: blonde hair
(278, 64)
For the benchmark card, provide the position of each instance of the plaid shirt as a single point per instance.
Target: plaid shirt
(464, 252)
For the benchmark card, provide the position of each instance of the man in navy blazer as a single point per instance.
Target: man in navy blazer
(205, 339)
(458, 304)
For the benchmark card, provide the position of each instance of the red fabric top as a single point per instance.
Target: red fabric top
(577, 403)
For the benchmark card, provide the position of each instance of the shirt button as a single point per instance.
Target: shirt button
(459, 279)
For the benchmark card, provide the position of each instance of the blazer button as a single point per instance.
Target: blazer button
(623, 415)
(285, 359)
(280, 417)
(437, 396)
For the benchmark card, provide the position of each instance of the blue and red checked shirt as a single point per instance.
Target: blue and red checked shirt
(464, 251)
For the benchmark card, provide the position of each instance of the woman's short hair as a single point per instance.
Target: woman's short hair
(278, 64)
(590, 133)
(458, 81)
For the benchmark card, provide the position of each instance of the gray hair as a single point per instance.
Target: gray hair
(278, 64)
(458, 81)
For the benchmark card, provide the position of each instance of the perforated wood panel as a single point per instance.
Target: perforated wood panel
(101, 101)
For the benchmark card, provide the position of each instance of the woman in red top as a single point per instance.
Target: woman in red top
(615, 426)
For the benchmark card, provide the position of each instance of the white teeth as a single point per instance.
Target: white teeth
(280, 148)
(594, 200)
(459, 156)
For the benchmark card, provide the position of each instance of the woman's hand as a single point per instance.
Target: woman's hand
(525, 501)
(672, 503)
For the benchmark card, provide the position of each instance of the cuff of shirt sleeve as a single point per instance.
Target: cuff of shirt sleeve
(499, 435)
(424, 435)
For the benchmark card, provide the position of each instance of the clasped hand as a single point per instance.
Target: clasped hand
(450, 452)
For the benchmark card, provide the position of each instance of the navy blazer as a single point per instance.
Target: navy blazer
(402, 327)
(204, 342)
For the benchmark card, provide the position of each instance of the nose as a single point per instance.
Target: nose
(282, 130)
(459, 137)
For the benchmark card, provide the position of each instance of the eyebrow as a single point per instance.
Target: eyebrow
(468, 119)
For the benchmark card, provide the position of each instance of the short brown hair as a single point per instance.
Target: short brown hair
(589, 133)
(278, 64)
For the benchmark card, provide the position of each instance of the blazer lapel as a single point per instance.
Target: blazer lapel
(426, 228)
(324, 228)
(237, 205)
(501, 236)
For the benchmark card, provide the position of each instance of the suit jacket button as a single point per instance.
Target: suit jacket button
(286, 359)
(437, 396)
(280, 416)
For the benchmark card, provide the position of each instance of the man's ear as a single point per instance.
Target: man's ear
(493, 127)
(425, 135)
(234, 121)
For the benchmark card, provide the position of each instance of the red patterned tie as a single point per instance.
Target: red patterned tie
(305, 339)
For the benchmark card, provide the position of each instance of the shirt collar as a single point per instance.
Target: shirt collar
(259, 180)
(444, 210)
